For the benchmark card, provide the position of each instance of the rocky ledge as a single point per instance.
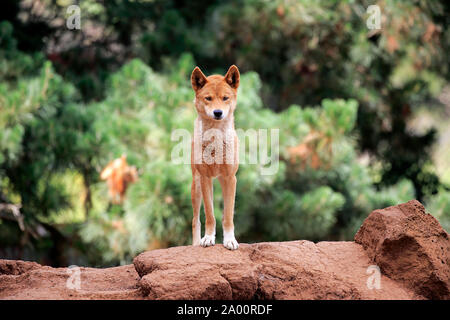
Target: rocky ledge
(399, 252)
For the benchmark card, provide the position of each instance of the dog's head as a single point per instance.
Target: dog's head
(215, 96)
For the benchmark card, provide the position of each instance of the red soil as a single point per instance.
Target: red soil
(408, 245)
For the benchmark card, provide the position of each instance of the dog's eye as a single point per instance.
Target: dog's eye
(225, 98)
(208, 98)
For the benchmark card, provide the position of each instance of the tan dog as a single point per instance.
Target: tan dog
(215, 101)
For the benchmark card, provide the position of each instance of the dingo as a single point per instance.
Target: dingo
(215, 101)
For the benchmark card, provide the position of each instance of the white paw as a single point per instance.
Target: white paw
(208, 240)
(230, 243)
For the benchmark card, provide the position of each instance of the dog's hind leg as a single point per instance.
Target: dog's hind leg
(196, 198)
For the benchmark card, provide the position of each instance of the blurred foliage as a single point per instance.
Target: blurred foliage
(341, 95)
(439, 205)
(304, 51)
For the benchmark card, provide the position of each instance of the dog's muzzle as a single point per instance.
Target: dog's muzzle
(218, 114)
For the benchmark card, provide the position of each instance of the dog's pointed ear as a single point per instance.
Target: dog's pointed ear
(198, 79)
(232, 77)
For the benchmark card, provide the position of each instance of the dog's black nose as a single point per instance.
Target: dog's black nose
(217, 113)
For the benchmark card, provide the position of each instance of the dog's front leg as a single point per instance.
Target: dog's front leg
(196, 197)
(229, 193)
(210, 222)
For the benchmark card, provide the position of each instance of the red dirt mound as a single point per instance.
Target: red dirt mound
(31, 281)
(16, 267)
(276, 270)
(409, 246)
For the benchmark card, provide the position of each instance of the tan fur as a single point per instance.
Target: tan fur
(119, 175)
(214, 88)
